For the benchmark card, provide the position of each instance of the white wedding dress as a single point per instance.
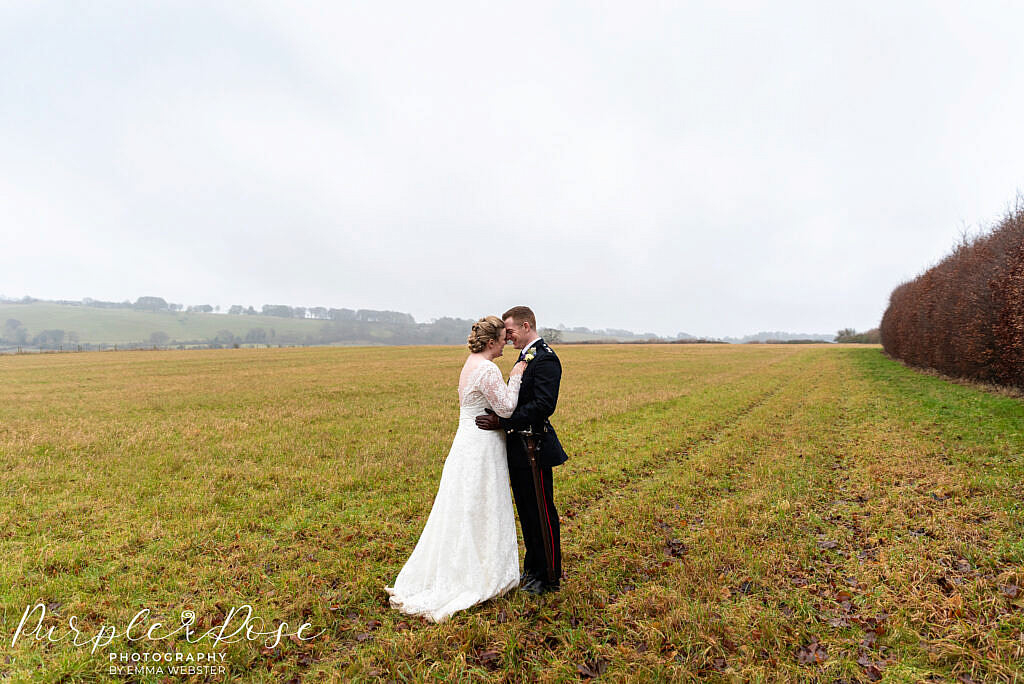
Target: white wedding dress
(468, 551)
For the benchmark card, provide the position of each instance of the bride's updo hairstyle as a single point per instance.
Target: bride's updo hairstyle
(486, 329)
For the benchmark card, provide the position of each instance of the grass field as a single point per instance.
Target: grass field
(747, 513)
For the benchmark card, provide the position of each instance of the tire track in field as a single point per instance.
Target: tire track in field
(722, 430)
(721, 472)
(660, 460)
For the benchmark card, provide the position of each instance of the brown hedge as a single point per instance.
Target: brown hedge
(965, 315)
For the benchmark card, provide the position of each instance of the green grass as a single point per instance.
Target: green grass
(724, 507)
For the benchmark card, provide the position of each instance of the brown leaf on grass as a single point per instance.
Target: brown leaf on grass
(271, 653)
(872, 668)
(954, 606)
(532, 637)
(868, 554)
(592, 668)
(845, 601)
(839, 621)
(873, 623)
(1010, 590)
(403, 625)
(870, 637)
(719, 665)
(502, 617)
(869, 625)
(363, 637)
(675, 548)
(828, 544)
(490, 659)
(812, 654)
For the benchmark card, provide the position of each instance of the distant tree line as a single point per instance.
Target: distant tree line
(614, 332)
(14, 334)
(851, 336)
(965, 315)
(325, 314)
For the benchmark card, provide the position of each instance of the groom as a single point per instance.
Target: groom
(538, 395)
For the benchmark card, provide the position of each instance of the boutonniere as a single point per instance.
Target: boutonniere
(530, 355)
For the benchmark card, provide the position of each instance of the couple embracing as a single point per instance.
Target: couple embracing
(468, 551)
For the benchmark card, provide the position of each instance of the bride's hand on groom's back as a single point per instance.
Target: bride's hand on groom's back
(488, 421)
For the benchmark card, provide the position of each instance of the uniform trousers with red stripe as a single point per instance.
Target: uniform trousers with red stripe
(531, 520)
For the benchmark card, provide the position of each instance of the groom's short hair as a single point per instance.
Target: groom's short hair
(519, 314)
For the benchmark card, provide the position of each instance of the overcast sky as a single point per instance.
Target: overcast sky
(714, 168)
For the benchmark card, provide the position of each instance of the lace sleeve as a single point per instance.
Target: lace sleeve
(502, 398)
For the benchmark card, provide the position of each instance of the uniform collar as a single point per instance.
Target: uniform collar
(527, 347)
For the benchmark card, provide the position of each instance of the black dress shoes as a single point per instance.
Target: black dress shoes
(526, 578)
(537, 587)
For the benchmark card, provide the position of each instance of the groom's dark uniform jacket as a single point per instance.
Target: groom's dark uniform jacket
(538, 395)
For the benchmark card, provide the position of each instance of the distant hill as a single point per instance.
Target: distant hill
(151, 321)
(50, 325)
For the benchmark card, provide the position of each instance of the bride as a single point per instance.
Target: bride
(468, 551)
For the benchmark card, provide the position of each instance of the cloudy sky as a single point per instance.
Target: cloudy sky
(714, 168)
